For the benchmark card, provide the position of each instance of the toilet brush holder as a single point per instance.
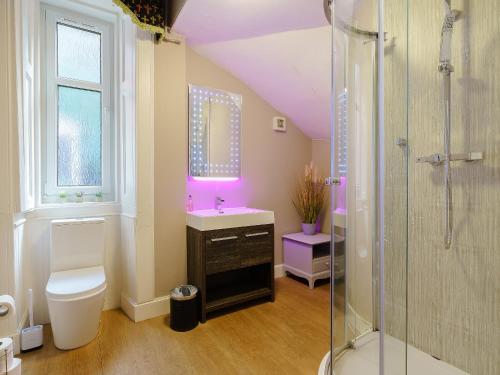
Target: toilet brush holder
(31, 337)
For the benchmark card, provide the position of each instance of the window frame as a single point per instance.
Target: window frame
(51, 17)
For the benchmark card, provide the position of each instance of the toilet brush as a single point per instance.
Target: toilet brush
(31, 337)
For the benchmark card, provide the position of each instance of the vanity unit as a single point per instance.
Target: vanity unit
(230, 256)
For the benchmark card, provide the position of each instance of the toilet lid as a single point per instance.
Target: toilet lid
(75, 283)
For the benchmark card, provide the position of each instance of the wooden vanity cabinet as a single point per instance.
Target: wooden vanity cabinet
(231, 266)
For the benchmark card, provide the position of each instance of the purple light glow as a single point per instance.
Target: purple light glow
(219, 179)
(235, 192)
(341, 196)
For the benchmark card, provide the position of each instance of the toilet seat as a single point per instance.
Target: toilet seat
(76, 283)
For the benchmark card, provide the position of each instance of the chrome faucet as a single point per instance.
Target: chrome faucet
(218, 204)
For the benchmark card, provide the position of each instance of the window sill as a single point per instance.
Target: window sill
(72, 209)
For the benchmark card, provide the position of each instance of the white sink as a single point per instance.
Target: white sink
(229, 218)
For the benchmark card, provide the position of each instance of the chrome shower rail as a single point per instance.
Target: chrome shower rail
(344, 26)
(446, 69)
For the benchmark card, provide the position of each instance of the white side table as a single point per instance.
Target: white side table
(308, 256)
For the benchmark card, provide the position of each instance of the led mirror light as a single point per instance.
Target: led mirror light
(214, 134)
(222, 179)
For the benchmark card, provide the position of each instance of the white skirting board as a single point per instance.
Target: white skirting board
(279, 271)
(138, 312)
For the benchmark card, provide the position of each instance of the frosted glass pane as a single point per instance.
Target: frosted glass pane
(78, 54)
(79, 138)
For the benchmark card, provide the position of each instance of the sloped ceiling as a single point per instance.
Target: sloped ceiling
(209, 21)
(280, 48)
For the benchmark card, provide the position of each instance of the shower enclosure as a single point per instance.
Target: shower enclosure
(415, 184)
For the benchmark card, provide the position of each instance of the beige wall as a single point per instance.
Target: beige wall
(453, 294)
(170, 165)
(271, 161)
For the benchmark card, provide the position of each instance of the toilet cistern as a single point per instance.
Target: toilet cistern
(77, 284)
(218, 204)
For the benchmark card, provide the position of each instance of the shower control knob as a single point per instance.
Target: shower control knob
(438, 159)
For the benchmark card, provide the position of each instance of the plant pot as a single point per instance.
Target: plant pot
(309, 229)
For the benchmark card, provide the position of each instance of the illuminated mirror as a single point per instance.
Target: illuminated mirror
(214, 133)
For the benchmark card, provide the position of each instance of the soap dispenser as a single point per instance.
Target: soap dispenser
(189, 203)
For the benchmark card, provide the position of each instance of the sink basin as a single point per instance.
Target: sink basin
(230, 218)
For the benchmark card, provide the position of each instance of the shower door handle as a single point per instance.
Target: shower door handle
(332, 181)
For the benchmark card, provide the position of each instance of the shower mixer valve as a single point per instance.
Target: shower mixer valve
(438, 159)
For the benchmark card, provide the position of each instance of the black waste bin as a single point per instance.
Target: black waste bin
(184, 308)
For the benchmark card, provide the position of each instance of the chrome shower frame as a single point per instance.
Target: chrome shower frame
(378, 244)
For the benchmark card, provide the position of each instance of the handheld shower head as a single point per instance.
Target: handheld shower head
(450, 17)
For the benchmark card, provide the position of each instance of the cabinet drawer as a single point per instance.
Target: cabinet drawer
(321, 264)
(257, 246)
(222, 253)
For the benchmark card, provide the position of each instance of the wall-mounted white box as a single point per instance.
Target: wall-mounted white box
(279, 124)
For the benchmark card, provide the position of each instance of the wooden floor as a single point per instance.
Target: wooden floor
(289, 336)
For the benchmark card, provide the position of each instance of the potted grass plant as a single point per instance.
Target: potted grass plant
(310, 198)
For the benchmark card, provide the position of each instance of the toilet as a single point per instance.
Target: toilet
(77, 284)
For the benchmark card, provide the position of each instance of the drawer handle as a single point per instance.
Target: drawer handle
(220, 239)
(256, 234)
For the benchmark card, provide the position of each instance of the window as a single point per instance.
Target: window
(77, 138)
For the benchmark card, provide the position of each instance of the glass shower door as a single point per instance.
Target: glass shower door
(434, 178)
(354, 167)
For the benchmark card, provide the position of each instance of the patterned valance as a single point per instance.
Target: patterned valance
(147, 14)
